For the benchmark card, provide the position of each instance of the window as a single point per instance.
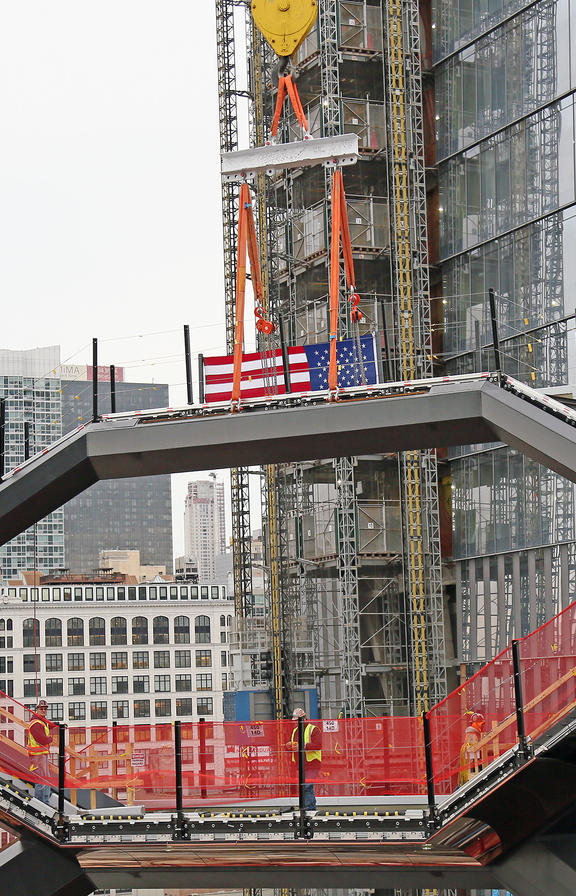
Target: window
(223, 637)
(45, 593)
(29, 661)
(29, 687)
(75, 632)
(76, 687)
(98, 709)
(204, 682)
(76, 662)
(131, 593)
(119, 660)
(140, 659)
(183, 592)
(205, 706)
(54, 687)
(53, 662)
(224, 681)
(76, 712)
(204, 592)
(163, 592)
(183, 659)
(214, 592)
(98, 685)
(119, 684)
(139, 630)
(109, 593)
(141, 684)
(121, 594)
(28, 629)
(203, 658)
(77, 594)
(182, 630)
(202, 629)
(194, 592)
(56, 712)
(67, 593)
(173, 592)
(153, 592)
(97, 661)
(7, 665)
(162, 683)
(53, 633)
(97, 632)
(120, 709)
(99, 593)
(142, 592)
(89, 593)
(141, 709)
(118, 631)
(223, 659)
(161, 659)
(183, 682)
(163, 707)
(160, 630)
(222, 621)
(184, 706)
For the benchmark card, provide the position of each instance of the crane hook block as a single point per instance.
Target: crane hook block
(284, 23)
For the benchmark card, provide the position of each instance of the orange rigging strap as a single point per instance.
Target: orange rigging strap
(247, 240)
(287, 86)
(340, 232)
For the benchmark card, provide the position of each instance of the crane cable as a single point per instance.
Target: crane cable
(247, 241)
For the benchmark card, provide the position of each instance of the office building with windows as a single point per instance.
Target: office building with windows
(113, 652)
(54, 399)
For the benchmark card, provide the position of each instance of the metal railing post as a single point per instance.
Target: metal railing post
(494, 322)
(202, 756)
(201, 395)
(189, 392)
(61, 774)
(2, 435)
(94, 380)
(178, 763)
(519, 700)
(285, 355)
(429, 767)
(112, 389)
(301, 779)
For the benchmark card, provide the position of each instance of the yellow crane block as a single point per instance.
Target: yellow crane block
(284, 23)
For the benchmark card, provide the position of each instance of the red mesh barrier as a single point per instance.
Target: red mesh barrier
(475, 724)
(548, 667)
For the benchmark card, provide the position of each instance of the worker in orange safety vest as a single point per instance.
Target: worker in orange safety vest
(39, 742)
(312, 755)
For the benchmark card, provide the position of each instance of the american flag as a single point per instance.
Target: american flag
(263, 374)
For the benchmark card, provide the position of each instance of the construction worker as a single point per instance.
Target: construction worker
(39, 741)
(312, 755)
(471, 761)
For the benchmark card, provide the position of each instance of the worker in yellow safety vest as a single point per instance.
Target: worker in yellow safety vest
(312, 754)
(39, 742)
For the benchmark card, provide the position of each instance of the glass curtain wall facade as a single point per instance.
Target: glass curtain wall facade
(505, 79)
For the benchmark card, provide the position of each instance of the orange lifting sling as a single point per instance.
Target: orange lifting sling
(246, 240)
(340, 231)
(287, 86)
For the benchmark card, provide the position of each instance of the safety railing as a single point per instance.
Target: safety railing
(518, 698)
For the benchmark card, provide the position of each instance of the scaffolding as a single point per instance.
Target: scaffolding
(353, 580)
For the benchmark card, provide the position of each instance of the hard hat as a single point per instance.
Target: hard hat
(477, 717)
(42, 704)
(298, 713)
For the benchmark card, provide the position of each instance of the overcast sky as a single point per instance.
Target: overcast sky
(110, 222)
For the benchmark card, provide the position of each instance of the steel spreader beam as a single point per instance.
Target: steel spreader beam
(458, 413)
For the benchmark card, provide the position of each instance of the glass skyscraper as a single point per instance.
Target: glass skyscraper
(504, 82)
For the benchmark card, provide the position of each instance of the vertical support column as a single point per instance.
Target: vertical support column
(94, 380)
(429, 767)
(494, 323)
(26, 440)
(519, 699)
(202, 756)
(61, 776)
(285, 357)
(189, 393)
(112, 389)
(178, 765)
(301, 779)
(201, 395)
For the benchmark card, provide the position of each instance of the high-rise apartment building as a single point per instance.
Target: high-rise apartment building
(505, 81)
(32, 394)
(204, 525)
(127, 514)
